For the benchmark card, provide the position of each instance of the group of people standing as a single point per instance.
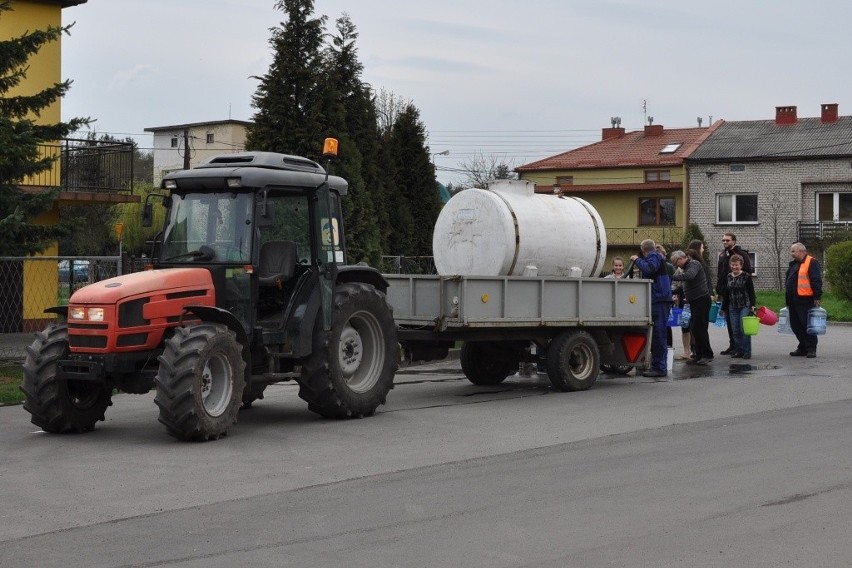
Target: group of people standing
(685, 280)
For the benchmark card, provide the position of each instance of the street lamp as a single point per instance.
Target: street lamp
(444, 153)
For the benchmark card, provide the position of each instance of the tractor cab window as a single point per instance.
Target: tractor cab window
(285, 217)
(209, 227)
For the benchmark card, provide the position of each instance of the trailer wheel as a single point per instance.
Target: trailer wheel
(351, 369)
(59, 406)
(573, 361)
(200, 382)
(487, 362)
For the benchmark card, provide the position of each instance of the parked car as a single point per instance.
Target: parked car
(81, 270)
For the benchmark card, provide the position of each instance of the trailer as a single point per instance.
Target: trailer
(574, 326)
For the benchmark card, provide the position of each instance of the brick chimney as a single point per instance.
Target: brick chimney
(607, 133)
(829, 112)
(785, 115)
(653, 130)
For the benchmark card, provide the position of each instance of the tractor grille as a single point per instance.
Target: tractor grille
(130, 313)
(132, 339)
(90, 341)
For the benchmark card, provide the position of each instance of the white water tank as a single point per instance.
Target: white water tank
(508, 228)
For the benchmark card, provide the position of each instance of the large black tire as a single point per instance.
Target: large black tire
(487, 362)
(573, 361)
(351, 369)
(59, 406)
(200, 382)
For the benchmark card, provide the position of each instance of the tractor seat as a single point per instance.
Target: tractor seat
(277, 262)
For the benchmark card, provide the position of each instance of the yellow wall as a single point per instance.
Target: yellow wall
(602, 176)
(44, 70)
(617, 208)
(45, 66)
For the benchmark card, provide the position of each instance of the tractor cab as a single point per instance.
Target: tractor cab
(260, 223)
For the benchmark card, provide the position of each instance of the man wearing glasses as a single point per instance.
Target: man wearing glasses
(723, 268)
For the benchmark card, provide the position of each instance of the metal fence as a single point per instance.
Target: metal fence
(408, 265)
(87, 166)
(29, 285)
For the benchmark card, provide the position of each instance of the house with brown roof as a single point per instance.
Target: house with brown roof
(636, 180)
(774, 182)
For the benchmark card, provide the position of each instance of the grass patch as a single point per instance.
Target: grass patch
(837, 308)
(10, 379)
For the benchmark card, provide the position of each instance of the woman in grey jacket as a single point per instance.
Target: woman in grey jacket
(698, 295)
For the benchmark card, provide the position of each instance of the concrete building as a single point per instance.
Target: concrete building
(774, 182)
(179, 146)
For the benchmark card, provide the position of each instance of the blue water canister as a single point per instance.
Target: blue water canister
(685, 316)
(817, 319)
(784, 322)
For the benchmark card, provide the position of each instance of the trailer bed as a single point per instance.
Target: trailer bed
(469, 302)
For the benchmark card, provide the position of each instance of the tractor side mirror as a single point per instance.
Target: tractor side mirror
(147, 214)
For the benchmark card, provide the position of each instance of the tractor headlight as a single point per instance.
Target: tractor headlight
(96, 314)
(77, 313)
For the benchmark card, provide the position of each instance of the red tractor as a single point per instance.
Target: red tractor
(249, 287)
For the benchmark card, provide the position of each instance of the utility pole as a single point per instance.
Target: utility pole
(186, 148)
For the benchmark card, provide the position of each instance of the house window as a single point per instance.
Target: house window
(174, 142)
(736, 208)
(209, 137)
(564, 180)
(656, 211)
(834, 206)
(671, 148)
(658, 175)
(753, 259)
(737, 167)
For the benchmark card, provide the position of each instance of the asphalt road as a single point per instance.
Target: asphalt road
(709, 468)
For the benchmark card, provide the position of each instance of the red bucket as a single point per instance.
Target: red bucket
(766, 316)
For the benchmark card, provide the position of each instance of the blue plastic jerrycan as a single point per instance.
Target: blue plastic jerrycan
(817, 321)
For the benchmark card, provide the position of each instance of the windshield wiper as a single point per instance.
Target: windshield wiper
(202, 253)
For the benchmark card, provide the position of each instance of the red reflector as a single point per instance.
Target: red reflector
(633, 345)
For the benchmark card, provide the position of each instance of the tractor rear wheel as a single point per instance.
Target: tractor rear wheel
(200, 382)
(351, 368)
(59, 406)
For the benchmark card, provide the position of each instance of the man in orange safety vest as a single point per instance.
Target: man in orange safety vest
(803, 291)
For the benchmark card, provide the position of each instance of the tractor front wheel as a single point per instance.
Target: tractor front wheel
(200, 382)
(59, 406)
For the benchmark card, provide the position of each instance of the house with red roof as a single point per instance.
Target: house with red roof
(636, 180)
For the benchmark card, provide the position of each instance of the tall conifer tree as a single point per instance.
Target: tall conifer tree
(288, 99)
(414, 177)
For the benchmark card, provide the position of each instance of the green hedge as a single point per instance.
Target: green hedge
(838, 269)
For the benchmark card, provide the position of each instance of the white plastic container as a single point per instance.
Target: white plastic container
(670, 360)
(508, 227)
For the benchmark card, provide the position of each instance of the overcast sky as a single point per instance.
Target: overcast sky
(514, 80)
